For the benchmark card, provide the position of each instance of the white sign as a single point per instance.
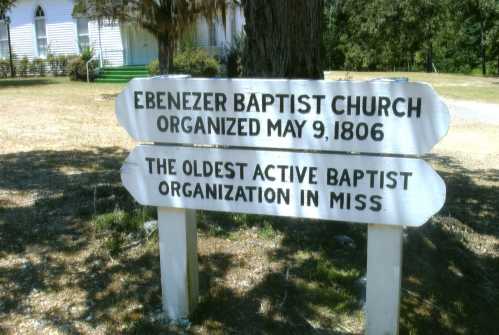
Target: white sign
(393, 191)
(348, 116)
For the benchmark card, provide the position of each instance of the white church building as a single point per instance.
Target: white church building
(42, 27)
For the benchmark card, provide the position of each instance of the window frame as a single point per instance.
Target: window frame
(3, 24)
(78, 34)
(212, 33)
(38, 18)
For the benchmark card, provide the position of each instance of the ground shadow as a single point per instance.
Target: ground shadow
(23, 82)
(48, 198)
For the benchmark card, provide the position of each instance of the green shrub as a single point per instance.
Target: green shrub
(233, 57)
(38, 67)
(87, 54)
(62, 64)
(4, 68)
(153, 67)
(24, 66)
(77, 69)
(51, 61)
(196, 62)
(58, 64)
(119, 226)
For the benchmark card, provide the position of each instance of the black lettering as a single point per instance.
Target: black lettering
(150, 100)
(162, 123)
(351, 105)
(197, 106)
(267, 100)
(334, 198)
(394, 107)
(332, 176)
(383, 104)
(220, 101)
(406, 176)
(163, 188)
(416, 108)
(361, 200)
(136, 95)
(159, 100)
(207, 102)
(185, 101)
(334, 105)
(376, 203)
(303, 99)
(238, 102)
(150, 160)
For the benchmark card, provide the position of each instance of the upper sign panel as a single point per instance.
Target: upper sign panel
(351, 116)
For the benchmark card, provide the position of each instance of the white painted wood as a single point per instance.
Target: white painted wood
(413, 204)
(401, 134)
(384, 272)
(61, 32)
(179, 264)
(142, 46)
(112, 41)
(58, 22)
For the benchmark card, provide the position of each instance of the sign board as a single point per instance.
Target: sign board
(352, 188)
(348, 116)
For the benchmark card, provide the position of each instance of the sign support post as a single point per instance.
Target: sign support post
(179, 263)
(384, 273)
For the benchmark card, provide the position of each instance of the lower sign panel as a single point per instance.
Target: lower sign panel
(364, 189)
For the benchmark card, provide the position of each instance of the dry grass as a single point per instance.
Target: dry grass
(73, 258)
(57, 114)
(455, 86)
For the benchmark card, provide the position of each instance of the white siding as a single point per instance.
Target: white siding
(61, 31)
(110, 41)
(224, 34)
(21, 29)
(61, 37)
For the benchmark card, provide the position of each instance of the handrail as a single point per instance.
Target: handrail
(88, 62)
(86, 65)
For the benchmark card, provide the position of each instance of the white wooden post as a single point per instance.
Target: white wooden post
(179, 263)
(384, 272)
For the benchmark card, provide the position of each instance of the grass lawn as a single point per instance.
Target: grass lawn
(454, 86)
(74, 257)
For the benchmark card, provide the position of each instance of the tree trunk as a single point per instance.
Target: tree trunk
(429, 58)
(12, 68)
(166, 48)
(283, 38)
(482, 49)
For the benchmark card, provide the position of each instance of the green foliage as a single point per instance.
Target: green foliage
(327, 272)
(233, 57)
(196, 62)
(117, 220)
(267, 232)
(58, 64)
(38, 67)
(87, 54)
(153, 67)
(23, 67)
(119, 226)
(77, 69)
(4, 68)
(411, 35)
